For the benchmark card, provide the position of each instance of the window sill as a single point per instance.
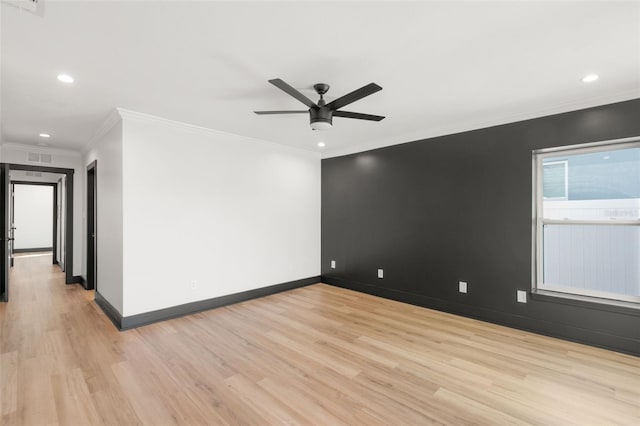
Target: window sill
(620, 307)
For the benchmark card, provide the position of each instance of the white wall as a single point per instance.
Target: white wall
(228, 212)
(107, 151)
(17, 154)
(33, 216)
(177, 204)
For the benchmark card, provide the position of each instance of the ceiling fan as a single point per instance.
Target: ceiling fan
(321, 114)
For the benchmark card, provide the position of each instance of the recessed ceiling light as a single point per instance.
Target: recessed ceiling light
(321, 144)
(45, 135)
(65, 78)
(590, 78)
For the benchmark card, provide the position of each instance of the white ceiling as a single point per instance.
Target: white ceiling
(444, 66)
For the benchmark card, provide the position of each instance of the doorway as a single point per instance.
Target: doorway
(92, 263)
(6, 231)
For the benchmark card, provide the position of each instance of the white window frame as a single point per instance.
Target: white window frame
(538, 222)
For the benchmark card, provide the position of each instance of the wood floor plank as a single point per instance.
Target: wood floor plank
(317, 355)
(307, 407)
(36, 400)
(74, 403)
(8, 383)
(272, 410)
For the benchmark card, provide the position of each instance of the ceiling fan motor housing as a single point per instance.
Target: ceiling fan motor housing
(321, 118)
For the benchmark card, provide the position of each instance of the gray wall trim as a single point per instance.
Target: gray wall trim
(133, 321)
(139, 320)
(538, 326)
(31, 250)
(111, 312)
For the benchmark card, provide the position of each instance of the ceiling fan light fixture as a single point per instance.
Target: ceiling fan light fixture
(320, 125)
(320, 118)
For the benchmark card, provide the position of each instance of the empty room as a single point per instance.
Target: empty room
(319, 212)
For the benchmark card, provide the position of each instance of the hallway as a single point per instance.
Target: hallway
(51, 336)
(315, 355)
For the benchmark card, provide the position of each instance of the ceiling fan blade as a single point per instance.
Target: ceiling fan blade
(292, 92)
(360, 93)
(359, 116)
(280, 112)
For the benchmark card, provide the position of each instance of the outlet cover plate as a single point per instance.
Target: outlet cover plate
(522, 296)
(380, 273)
(462, 286)
(333, 264)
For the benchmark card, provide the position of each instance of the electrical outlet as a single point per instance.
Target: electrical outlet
(194, 284)
(333, 264)
(462, 286)
(522, 296)
(380, 273)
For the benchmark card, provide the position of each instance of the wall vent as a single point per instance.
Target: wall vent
(34, 157)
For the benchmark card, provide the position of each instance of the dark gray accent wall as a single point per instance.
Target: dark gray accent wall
(459, 207)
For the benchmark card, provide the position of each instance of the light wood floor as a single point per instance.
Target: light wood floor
(315, 355)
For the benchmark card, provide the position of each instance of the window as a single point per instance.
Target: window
(587, 221)
(555, 183)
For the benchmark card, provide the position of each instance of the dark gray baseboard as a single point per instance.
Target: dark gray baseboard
(139, 320)
(75, 279)
(32, 250)
(538, 326)
(111, 312)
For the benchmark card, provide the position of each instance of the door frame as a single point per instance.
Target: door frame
(68, 247)
(12, 216)
(92, 226)
(55, 210)
(59, 210)
(5, 196)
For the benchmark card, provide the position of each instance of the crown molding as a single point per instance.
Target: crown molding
(205, 131)
(41, 149)
(111, 120)
(470, 125)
